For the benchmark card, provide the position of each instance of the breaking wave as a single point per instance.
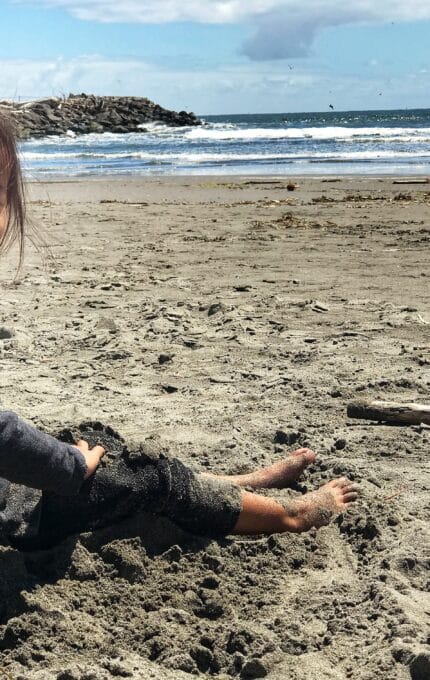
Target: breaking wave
(356, 142)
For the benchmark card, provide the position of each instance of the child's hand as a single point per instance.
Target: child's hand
(92, 456)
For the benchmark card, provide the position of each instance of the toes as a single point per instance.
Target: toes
(340, 482)
(310, 455)
(350, 487)
(350, 496)
(301, 452)
(343, 483)
(307, 455)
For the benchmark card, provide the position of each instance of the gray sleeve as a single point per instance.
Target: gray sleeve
(35, 459)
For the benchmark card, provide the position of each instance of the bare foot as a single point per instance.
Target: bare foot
(278, 475)
(317, 508)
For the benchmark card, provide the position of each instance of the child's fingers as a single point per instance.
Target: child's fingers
(92, 456)
(97, 453)
(82, 445)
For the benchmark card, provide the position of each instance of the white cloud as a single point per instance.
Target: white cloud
(27, 79)
(258, 88)
(288, 30)
(226, 11)
(282, 28)
(203, 91)
(162, 11)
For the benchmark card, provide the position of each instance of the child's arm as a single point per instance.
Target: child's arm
(35, 459)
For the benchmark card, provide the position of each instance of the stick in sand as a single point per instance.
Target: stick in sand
(399, 492)
(390, 411)
(422, 180)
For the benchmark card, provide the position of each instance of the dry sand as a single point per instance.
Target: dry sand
(233, 320)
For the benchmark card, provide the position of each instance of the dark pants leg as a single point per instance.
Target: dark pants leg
(199, 505)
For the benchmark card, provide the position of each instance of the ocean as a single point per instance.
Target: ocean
(353, 142)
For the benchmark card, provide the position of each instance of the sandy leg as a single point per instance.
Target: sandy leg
(262, 515)
(276, 476)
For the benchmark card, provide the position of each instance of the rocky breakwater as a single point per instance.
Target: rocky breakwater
(82, 114)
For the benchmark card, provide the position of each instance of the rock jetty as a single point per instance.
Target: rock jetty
(81, 114)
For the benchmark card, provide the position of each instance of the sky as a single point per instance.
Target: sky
(221, 56)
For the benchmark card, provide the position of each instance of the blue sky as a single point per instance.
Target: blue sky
(221, 56)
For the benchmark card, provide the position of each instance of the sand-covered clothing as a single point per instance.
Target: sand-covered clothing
(126, 483)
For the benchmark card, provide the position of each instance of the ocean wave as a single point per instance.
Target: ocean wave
(203, 157)
(266, 144)
(223, 134)
(323, 133)
(151, 130)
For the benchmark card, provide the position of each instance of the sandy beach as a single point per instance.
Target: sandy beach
(229, 321)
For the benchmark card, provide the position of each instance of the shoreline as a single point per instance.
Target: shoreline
(58, 179)
(202, 188)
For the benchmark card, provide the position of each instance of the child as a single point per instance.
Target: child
(202, 504)
(27, 456)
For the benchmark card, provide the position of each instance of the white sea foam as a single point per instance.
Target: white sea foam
(152, 130)
(309, 133)
(218, 132)
(219, 157)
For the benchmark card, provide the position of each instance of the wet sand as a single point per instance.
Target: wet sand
(230, 321)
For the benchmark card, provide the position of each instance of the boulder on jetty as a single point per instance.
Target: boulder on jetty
(82, 114)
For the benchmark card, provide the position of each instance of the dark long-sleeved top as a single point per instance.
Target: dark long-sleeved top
(30, 462)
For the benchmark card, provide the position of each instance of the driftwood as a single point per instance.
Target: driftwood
(390, 411)
(422, 180)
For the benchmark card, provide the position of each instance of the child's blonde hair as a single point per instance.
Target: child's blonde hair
(11, 167)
